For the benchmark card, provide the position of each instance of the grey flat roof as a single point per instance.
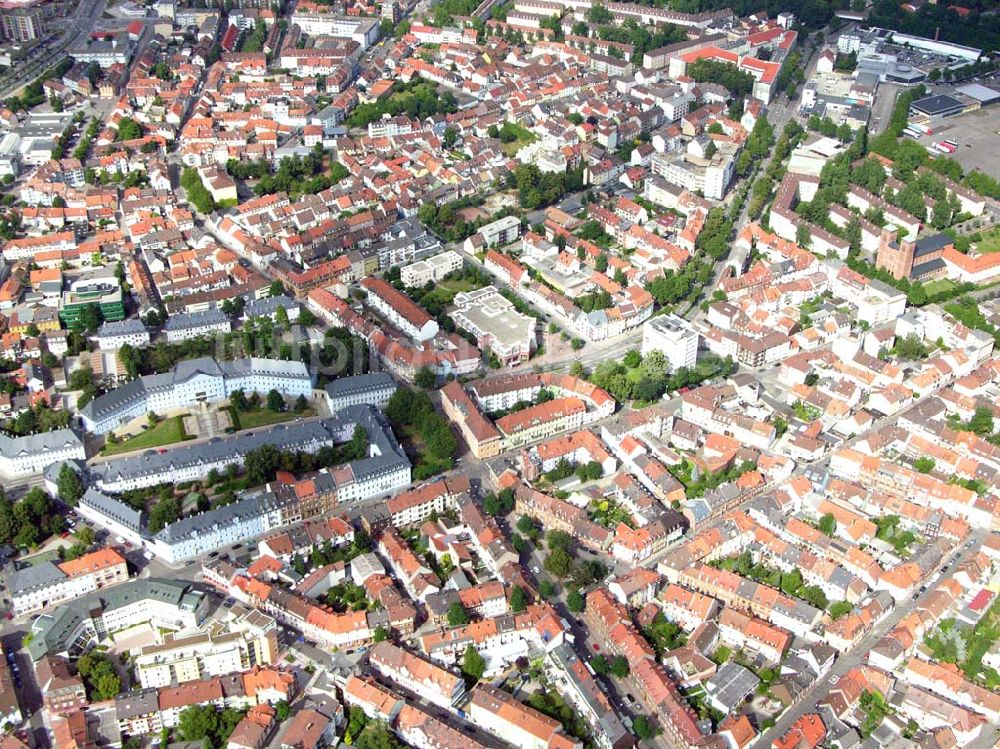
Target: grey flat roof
(938, 104)
(980, 92)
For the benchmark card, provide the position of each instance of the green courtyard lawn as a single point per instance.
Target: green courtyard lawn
(941, 285)
(990, 241)
(262, 417)
(166, 432)
(522, 137)
(459, 284)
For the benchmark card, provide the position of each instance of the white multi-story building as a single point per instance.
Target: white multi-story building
(114, 335)
(189, 537)
(193, 324)
(496, 324)
(710, 176)
(385, 469)
(166, 604)
(112, 514)
(374, 389)
(250, 642)
(399, 309)
(194, 381)
(674, 337)
(26, 456)
(500, 232)
(105, 51)
(40, 586)
(434, 268)
(364, 31)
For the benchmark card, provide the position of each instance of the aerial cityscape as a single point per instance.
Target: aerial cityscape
(499, 374)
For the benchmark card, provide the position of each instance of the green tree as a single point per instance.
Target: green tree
(840, 609)
(165, 512)
(238, 400)
(69, 485)
(641, 727)
(128, 129)
(275, 402)
(518, 599)
(982, 421)
(558, 562)
(473, 664)
(575, 601)
(619, 667)
(923, 464)
(828, 524)
(198, 722)
(457, 616)
(377, 735)
(600, 665)
(424, 378)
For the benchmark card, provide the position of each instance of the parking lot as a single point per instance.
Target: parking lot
(976, 135)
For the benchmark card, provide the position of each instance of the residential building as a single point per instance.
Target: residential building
(413, 673)
(250, 641)
(373, 389)
(22, 24)
(193, 324)
(498, 233)
(433, 269)
(114, 335)
(400, 310)
(37, 587)
(672, 336)
(21, 457)
(168, 604)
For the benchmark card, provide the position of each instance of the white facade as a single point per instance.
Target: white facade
(502, 231)
(60, 587)
(195, 381)
(21, 457)
(674, 337)
(496, 323)
(433, 268)
(373, 389)
(207, 327)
